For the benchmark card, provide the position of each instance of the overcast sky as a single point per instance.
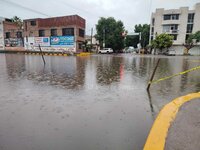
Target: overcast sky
(130, 12)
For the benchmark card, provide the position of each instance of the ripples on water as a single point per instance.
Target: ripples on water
(98, 102)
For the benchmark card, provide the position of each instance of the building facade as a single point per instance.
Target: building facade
(179, 23)
(11, 35)
(92, 41)
(2, 45)
(66, 26)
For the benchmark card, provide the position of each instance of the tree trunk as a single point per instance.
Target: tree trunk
(186, 51)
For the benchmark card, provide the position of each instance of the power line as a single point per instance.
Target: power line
(76, 8)
(29, 9)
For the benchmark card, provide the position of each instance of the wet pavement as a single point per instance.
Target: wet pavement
(98, 102)
(184, 132)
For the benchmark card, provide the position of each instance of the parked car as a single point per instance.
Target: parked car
(106, 50)
(170, 52)
(129, 49)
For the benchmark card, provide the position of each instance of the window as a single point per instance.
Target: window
(191, 18)
(173, 28)
(152, 30)
(81, 33)
(175, 16)
(189, 28)
(33, 23)
(19, 34)
(153, 21)
(171, 17)
(68, 31)
(53, 32)
(186, 37)
(167, 17)
(7, 35)
(41, 33)
(166, 28)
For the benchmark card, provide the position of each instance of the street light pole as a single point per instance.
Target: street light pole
(104, 38)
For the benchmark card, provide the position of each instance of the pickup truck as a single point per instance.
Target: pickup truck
(106, 50)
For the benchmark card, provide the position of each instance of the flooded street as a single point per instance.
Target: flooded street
(86, 103)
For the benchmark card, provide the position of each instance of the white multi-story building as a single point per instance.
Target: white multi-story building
(179, 23)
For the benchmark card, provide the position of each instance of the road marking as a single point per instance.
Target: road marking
(180, 73)
(159, 130)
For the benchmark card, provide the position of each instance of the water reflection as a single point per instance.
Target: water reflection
(109, 70)
(15, 65)
(67, 73)
(98, 102)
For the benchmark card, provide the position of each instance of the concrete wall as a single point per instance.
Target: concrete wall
(12, 28)
(179, 50)
(196, 26)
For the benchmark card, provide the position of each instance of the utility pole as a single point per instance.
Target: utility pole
(104, 38)
(140, 40)
(91, 38)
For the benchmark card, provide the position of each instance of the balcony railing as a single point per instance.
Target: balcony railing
(171, 32)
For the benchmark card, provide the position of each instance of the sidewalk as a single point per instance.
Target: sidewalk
(177, 126)
(184, 132)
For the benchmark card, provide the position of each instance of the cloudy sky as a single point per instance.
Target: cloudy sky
(130, 12)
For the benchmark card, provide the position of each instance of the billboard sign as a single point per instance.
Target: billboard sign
(42, 41)
(67, 41)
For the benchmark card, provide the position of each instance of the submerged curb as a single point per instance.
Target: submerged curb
(157, 136)
(47, 53)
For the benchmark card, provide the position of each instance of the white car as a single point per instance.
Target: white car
(106, 50)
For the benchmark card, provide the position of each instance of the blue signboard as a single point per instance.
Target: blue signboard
(62, 41)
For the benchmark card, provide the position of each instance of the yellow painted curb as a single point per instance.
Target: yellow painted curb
(159, 130)
(84, 54)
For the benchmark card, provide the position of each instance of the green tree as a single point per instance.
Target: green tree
(133, 40)
(190, 42)
(110, 31)
(144, 29)
(18, 21)
(162, 41)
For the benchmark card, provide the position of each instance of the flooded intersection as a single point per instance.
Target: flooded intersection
(98, 102)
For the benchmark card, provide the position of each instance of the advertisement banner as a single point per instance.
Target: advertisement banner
(42, 41)
(67, 41)
(2, 45)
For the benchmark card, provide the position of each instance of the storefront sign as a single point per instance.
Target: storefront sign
(42, 41)
(67, 41)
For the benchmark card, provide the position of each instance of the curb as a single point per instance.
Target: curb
(44, 53)
(47, 53)
(159, 130)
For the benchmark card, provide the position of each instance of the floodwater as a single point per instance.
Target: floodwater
(86, 103)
